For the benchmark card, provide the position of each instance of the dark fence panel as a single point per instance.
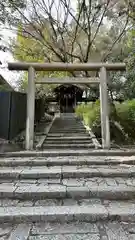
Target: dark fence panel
(12, 114)
(17, 114)
(39, 109)
(5, 99)
(13, 107)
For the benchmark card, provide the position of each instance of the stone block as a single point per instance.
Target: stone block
(49, 181)
(89, 201)
(21, 232)
(8, 202)
(93, 213)
(69, 202)
(48, 202)
(78, 192)
(115, 230)
(5, 230)
(7, 190)
(40, 172)
(63, 228)
(25, 203)
(73, 182)
(42, 191)
(10, 173)
(122, 211)
(82, 172)
(66, 237)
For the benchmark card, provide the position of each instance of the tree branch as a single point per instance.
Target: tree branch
(116, 40)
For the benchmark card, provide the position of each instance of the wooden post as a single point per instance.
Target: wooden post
(30, 109)
(105, 127)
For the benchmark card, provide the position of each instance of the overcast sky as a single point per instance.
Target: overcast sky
(6, 57)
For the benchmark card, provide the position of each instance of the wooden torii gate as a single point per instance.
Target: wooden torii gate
(102, 68)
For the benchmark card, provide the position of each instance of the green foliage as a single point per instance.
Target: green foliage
(90, 113)
(130, 60)
(31, 50)
(125, 115)
(27, 49)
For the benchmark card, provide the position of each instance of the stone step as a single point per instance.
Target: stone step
(40, 134)
(69, 231)
(67, 120)
(70, 152)
(68, 145)
(61, 127)
(65, 124)
(69, 160)
(67, 129)
(70, 122)
(69, 189)
(64, 141)
(67, 172)
(68, 126)
(68, 132)
(79, 135)
(91, 213)
(68, 138)
(9, 202)
(61, 118)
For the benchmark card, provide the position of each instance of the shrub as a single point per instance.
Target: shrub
(124, 114)
(126, 117)
(90, 113)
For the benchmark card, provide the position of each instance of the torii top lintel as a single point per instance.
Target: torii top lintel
(24, 66)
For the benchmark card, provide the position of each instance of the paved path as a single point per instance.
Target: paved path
(69, 231)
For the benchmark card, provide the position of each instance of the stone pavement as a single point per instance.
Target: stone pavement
(65, 198)
(69, 231)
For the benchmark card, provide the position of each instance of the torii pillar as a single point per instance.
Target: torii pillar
(104, 109)
(30, 109)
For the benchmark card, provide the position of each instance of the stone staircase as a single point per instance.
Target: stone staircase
(69, 132)
(66, 198)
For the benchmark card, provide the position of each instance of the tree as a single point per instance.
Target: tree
(69, 34)
(22, 51)
(8, 12)
(130, 84)
(8, 16)
(60, 32)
